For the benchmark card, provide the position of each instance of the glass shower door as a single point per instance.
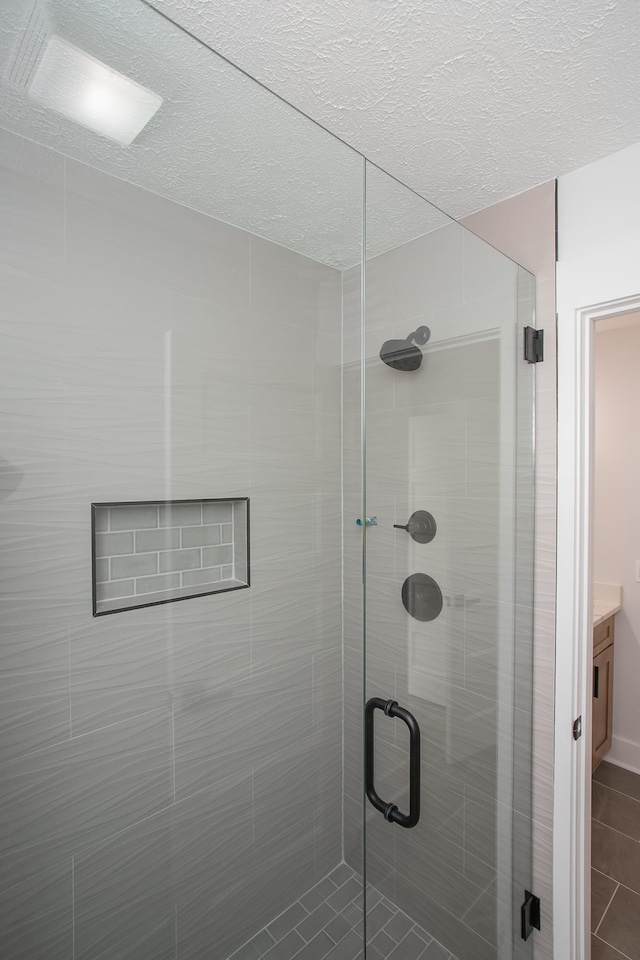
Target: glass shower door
(448, 585)
(170, 349)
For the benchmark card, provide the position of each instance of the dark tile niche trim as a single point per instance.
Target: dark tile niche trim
(148, 552)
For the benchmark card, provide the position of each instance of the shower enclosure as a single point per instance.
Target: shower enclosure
(266, 609)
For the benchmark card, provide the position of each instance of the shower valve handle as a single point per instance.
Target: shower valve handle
(420, 526)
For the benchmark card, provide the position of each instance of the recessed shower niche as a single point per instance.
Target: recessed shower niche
(157, 551)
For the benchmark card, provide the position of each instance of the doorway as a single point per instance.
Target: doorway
(581, 680)
(615, 748)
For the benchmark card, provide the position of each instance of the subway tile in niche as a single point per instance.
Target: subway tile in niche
(180, 514)
(134, 517)
(102, 519)
(216, 512)
(205, 575)
(202, 536)
(137, 565)
(179, 560)
(167, 538)
(166, 581)
(112, 591)
(157, 551)
(212, 556)
(113, 544)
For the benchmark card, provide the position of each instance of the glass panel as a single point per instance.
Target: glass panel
(171, 320)
(448, 634)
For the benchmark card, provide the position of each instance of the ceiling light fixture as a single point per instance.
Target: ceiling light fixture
(78, 86)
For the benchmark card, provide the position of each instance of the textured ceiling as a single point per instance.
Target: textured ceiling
(466, 101)
(220, 143)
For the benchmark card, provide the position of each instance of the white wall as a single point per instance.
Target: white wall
(598, 263)
(599, 231)
(616, 528)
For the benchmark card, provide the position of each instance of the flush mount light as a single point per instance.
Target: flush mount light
(82, 88)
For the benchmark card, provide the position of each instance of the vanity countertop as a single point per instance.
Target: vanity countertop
(607, 601)
(603, 610)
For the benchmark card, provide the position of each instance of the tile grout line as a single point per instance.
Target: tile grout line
(253, 808)
(173, 749)
(619, 882)
(65, 204)
(105, 840)
(606, 908)
(609, 827)
(620, 793)
(342, 568)
(73, 907)
(308, 913)
(622, 955)
(414, 928)
(69, 685)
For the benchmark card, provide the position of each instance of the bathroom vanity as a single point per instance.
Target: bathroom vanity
(607, 601)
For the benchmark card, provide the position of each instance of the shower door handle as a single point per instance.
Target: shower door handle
(390, 811)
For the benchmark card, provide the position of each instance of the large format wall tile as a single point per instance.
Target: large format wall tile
(426, 271)
(157, 658)
(467, 372)
(31, 205)
(290, 287)
(240, 724)
(287, 786)
(34, 688)
(36, 916)
(122, 231)
(149, 352)
(123, 893)
(57, 801)
(292, 621)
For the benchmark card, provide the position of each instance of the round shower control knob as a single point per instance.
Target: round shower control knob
(422, 597)
(421, 526)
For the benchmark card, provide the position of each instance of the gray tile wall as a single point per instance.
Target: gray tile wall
(162, 766)
(151, 552)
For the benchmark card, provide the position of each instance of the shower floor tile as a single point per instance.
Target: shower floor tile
(325, 924)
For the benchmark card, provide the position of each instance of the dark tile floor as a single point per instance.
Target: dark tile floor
(615, 862)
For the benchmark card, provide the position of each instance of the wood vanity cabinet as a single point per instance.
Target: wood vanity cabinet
(602, 690)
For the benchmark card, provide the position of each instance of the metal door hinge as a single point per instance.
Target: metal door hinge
(530, 914)
(533, 345)
(577, 728)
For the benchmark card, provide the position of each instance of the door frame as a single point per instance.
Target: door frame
(574, 623)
